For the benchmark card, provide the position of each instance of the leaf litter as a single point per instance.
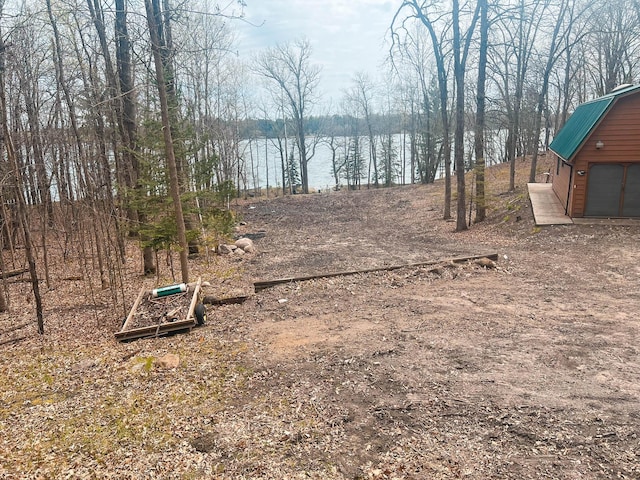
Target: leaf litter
(525, 370)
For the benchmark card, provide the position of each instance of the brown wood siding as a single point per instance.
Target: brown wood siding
(561, 175)
(620, 132)
(579, 187)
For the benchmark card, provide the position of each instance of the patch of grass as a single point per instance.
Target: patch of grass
(143, 364)
(58, 414)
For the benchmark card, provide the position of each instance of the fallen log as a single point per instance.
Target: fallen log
(264, 284)
(13, 340)
(17, 327)
(14, 273)
(224, 301)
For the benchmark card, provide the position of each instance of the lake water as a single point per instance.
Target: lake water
(262, 160)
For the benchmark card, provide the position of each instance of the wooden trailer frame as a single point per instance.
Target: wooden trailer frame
(161, 328)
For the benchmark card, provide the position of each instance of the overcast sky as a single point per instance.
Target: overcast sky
(347, 36)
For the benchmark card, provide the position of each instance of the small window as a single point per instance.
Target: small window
(558, 166)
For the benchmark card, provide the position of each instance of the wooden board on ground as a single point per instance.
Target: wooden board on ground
(263, 284)
(155, 330)
(225, 301)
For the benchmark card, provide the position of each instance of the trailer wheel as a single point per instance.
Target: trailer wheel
(201, 314)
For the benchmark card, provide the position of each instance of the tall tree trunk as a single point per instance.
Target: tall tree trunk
(165, 43)
(114, 100)
(129, 123)
(302, 147)
(153, 24)
(481, 206)
(514, 127)
(459, 66)
(458, 72)
(114, 114)
(444, 107)
(4, 220)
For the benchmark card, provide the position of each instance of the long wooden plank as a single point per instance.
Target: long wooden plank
(194, 299)
(263, 284)
(132, 312)
(155, 330)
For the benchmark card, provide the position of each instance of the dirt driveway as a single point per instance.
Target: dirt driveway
(525, 369)
(530, 369)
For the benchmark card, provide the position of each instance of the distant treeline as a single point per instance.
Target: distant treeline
(346, 125)
(328, 126)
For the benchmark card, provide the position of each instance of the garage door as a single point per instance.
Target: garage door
(613, 191)
(631, 207)
(604, 190)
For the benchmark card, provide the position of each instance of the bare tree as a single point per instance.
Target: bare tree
(510, 52)
(461, 43)
(421, 11)
(479, 147)
(353, 170)
(128, 126)
(19, 189)
(154, 24)
(614, 44)
(565, 22)
(289, 67)
(361, 96)
(427, 136)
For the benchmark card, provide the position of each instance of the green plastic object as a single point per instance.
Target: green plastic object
(169, 290)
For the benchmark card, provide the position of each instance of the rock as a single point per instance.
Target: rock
(244, 243)
(238, 251)
(170, 360)
(485, 262)
(249, 249)
(226, 249)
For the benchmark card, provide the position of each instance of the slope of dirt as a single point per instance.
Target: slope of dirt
(530, 369)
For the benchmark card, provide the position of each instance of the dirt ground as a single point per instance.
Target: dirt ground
(528, 368)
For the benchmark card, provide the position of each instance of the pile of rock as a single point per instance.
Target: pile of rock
(242, 246)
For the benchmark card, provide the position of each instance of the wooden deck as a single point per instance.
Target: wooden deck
(547, 209)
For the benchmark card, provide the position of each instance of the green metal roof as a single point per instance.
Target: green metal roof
(571, 137)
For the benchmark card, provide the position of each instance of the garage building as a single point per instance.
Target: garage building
(597, 171)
